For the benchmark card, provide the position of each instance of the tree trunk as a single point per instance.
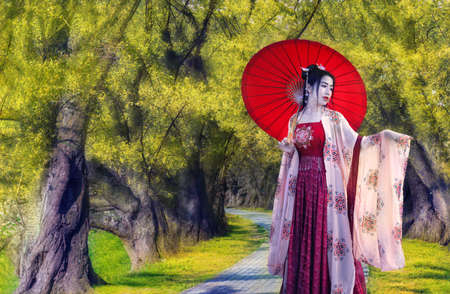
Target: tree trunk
(58, 261)
(194, 209)
(122, 205)
(426, 200)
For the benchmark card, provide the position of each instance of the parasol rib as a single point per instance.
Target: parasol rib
(282, 63)
(289, 58)
(265, 114)
(266, 94)
(279, 70)
(329, 58)
(344, 74)
(267, 79)
(318, 53)
(263, 69)
(268, 103)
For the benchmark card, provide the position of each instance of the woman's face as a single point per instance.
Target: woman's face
(325, 90)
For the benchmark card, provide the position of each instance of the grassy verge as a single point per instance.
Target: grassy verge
(190, 266)
(427, 267)
(257, 209)
(427, 270)
(8, 280)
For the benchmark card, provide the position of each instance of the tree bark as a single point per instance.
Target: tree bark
(426, 200)
(122, 205)
(193, 206)
(58, 261)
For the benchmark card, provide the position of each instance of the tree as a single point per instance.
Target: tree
(57, 260)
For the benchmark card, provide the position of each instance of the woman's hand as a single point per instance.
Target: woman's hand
(285, 146)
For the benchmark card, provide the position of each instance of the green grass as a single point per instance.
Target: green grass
(427, 267)
(8, 280)
(257, 209)
(427, 270)
(183, 270)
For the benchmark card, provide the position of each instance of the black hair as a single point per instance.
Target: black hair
(313, 75)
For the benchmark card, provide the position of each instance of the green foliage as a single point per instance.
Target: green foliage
(401, 50)
(161, 83)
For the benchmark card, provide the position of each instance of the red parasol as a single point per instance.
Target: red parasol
(271, 75)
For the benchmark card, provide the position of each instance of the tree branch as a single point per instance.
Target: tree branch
(201, 36)
(309, 20)
(149, 172)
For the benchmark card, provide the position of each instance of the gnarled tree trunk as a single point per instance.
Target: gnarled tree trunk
(426, 207)
(122, 205)
(57, 261)
(194, 209)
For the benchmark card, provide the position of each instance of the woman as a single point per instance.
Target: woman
(338, 200)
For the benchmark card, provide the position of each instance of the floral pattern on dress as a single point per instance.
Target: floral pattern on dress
(347, 157)
(304, 136)
(278, 189)
(374, 139)
(330, 241)
(339, 202)
(380, 204)
(364, 259)
(371, 179)
(330, 196)
(400, 209)
(398, 185)
(337, 289)
(330, 151)
(403, 144)
(397, 232)
(290, 156)
(286, 230)
(292, 186)
(405, 165)
(368, 223)
(333, 115)
(340, 249)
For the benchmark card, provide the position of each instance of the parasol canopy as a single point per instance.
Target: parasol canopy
(274, 73)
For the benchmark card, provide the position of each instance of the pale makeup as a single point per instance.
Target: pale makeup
(317, 99)
(325, 90)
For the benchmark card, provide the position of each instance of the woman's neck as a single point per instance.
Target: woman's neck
(311, 109)
(311, 113)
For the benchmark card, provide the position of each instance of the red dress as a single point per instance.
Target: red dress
(307, 266)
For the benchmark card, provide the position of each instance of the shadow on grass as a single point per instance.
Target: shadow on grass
(235, 230)
(238, 231)
(425, 291)
(221, 289)
(148, 279)
(398, 288)
(430, 272)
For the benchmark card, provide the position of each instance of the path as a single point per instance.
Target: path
(250, 274)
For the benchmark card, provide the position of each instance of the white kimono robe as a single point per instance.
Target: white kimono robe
(377, 218)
